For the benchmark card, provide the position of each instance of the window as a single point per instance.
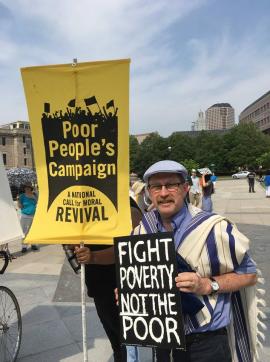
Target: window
(24, 150)
(4, 158)
(25, 161)
(3, 141)
(23, 139)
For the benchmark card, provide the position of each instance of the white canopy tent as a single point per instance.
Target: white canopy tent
(10, 225)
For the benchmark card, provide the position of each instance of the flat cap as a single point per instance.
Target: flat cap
(165, 166)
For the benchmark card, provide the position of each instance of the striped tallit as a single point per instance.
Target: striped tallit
(212, 245)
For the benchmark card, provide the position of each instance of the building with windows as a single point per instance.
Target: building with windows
(219, 116)
(258, 113)
(16, 145)
(199, 124)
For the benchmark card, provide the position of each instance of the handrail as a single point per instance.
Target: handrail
(5, 255)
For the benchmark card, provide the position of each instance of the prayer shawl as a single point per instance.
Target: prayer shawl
(212, 245)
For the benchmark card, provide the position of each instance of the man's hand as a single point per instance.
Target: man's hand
(83, 254)
(229, 282)
(190, 282)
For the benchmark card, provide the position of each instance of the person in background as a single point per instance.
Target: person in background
(214, 179)
(100, 279)
(27, 202)
(267, 183)
(138, 189)
(195, 190)
(207, 190)
(251, 180)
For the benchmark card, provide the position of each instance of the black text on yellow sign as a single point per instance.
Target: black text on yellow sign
(79, 124)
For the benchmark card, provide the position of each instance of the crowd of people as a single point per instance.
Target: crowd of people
(177, 201)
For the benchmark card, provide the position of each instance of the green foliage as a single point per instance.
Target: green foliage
(154, 148)
(190, 164)
(209, 150)
(134, 149)
(264, 160)
(182, 147)
(243, 146)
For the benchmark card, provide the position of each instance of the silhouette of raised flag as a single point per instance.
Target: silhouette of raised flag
(47, 107)
(110, 104)
(90, 101)
(71, 103)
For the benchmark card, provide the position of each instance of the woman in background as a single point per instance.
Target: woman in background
(207, 190)
(27, 202)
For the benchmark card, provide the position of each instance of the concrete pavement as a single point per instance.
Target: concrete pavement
(48, 291)
(251, 213)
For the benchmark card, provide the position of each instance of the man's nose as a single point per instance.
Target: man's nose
(164, 191)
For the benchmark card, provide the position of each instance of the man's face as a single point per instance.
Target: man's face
(168, 200)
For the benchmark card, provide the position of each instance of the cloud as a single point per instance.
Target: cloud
(171, 79)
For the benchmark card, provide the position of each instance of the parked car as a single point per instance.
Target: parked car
(240, 174)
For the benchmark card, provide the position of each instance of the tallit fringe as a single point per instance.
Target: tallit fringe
(260, 316)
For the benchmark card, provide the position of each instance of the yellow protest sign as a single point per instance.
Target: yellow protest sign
(79, 125)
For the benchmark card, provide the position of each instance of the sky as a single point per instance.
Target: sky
(186, 55)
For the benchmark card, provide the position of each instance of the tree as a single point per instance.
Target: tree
(133, 152)
(209, 150)
(190, 164)
(181, 146)
(243, 145)
(154, 148)
(264, 160)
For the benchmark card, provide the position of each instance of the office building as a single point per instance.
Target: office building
(219, 116)
(199, 124)
(258, 113)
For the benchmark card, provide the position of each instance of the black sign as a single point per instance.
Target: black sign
(149, 301)
(81, 147)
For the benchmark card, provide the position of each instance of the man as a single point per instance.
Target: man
(100, 279)
(194, 191)
(217, 255)
(251, 180)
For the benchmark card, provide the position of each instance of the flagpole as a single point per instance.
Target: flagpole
(84, 336)
(85, 349)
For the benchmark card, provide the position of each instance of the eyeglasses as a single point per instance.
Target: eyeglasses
(172, 187)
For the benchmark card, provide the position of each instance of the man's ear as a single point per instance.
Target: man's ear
(186, 186)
